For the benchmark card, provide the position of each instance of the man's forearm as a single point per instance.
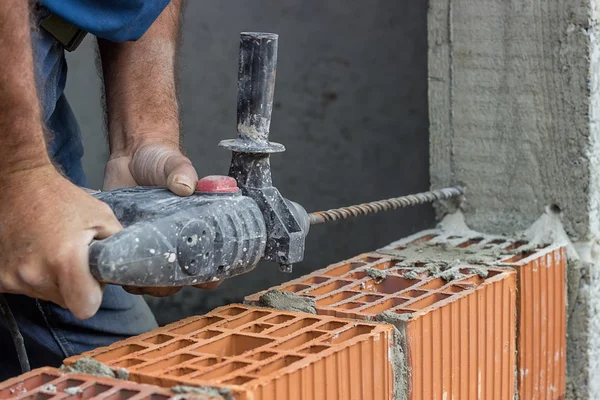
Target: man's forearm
(140, 84)
(22, 143)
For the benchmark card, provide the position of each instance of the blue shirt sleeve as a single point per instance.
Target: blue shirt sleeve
(114, 20)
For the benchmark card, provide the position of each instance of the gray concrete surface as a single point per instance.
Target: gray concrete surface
(513, 104)
(350, 105)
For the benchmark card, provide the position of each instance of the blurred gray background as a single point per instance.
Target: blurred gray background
(350, 106)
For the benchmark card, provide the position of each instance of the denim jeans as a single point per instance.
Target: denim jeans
(52, 333)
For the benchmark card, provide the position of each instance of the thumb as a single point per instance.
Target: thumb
(181, 175)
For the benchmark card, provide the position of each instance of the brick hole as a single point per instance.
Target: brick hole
(223, 370)
(38, 396)
(180, 371)
(206, 334)
(158, 339)
(370, 259)
(331, 326)
(174, 360)
(342, 269)
(470, 242)
(414, 293)
(349, 305)
(158, 397)
(356, 275)
(168, 349)
(295, 288)
(279, 319)
(196, 325)
(28, 384)
(384, 306)
(429, 300)
(316, 280)
(519, 257)
(471, 280)
(400, 248)
(92, 391)
(238, 380)
(356, 331)
(250, 317)
(232, 311)
(314, 349)
(129, 362)
(122, 394)
(453, 237)
(257, 328)
(119, 352)
(294, 327)
(369, 298)
(233, 345)
(336, 298)
(423, 239)
(67, 383)
(454, 289)
(329, 287)
(299, 340)
(492, 273)
(263, 355)
(391, 284)
(207, 362)
(433, 284)
(516, 245)
(497, 241)
(276, 365)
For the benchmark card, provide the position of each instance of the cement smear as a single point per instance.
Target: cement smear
(288, 301)
(376, 274)
(88, 365)
(398, 352)
(49, 388)
(219, 393)
(73, 391)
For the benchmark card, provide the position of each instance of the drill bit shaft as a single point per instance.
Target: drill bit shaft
(384, 205)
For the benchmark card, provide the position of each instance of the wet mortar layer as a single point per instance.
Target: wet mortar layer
(257, 351)
(87, 365)
(287, 301)
(52, 383)
(402, 380)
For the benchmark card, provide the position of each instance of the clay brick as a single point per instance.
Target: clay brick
(541, 296)
(459, 335)
(262, 353)
(50, 383)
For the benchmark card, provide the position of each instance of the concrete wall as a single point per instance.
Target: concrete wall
(351, 107)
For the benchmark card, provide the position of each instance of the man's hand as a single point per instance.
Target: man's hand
(152, 164)
(47, 224)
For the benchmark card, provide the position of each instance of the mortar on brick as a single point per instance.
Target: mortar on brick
(376, 274)
(400, 364)
(288, 301)
(88, 365)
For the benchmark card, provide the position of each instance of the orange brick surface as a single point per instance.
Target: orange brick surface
(459, 335)
(262, 353)
(541, 320)
(51, 383)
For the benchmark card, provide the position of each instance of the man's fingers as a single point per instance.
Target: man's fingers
(82, 293)
(181, 175)
(108, 224)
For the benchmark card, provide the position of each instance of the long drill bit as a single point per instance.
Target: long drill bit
(319, 217)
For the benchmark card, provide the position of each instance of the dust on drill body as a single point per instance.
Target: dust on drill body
(209, 236)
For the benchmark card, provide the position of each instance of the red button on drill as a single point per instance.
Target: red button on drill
(217, 184)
